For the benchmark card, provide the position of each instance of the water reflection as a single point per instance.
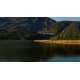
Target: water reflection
(28, 51)
(61, 51)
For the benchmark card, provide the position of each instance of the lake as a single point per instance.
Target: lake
(29, 51)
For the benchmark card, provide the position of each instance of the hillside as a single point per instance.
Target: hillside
(72, 31)
(58, 27)
(38, 28)
(23, 27)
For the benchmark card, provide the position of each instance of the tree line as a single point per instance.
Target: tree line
(66, 37)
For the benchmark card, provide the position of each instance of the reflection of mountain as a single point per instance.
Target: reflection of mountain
(29, 51)
(59, 50)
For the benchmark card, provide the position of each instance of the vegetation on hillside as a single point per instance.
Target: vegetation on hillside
(71, 32)
(38, 28)
(66, 37)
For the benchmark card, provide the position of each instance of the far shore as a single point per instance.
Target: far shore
(59, 41)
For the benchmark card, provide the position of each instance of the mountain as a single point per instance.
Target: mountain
(23, 27)
(70, 31)
(32, 24)
(58, 27)
(38, 28)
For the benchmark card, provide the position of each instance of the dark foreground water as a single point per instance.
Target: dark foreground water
(27, 51)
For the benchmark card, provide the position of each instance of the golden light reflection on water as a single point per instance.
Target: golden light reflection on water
(27, 51)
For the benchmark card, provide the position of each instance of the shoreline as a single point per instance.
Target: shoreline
(59, 41)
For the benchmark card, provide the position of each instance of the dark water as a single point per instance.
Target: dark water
(27, 51)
